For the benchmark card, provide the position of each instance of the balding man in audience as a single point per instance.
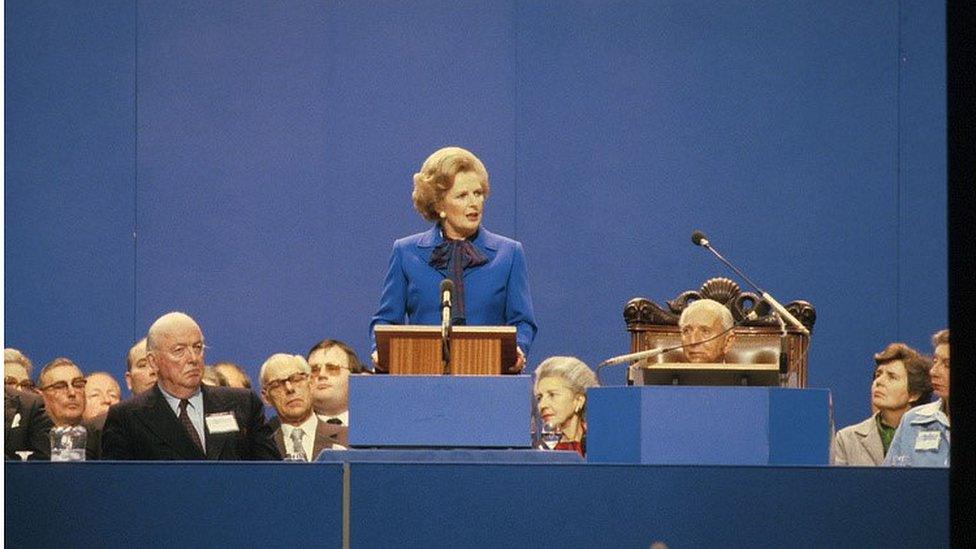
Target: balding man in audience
(17, 370)
(332, 362)
(706, 334)
(180, 418)
(139, 376)
(101, 392)
(286, 386)
(234, 375)
(62, 385)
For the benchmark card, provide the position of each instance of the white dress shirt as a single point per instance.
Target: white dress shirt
(308, 441)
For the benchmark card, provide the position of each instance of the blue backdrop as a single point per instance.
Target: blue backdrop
(250, 163)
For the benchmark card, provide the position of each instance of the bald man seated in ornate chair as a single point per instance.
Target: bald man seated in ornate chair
(720, 335)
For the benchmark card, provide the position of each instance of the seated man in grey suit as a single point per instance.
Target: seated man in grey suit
(701, 323)
(179, 418)
(286, 385)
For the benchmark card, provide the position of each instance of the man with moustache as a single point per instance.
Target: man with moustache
(139, 377)
(285, 385)
(922, 438)
(180, 419)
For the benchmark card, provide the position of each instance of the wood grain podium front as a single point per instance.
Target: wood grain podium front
(416, 350)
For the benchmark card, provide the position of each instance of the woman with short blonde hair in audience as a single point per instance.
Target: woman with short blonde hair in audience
(560, 393)
(901, 381)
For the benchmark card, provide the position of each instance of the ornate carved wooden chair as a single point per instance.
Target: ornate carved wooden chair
(758, 331)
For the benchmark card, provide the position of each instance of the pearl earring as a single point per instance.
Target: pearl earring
(443, 215)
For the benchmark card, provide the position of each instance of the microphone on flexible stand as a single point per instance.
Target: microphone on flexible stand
(699, 240)
(447, 289)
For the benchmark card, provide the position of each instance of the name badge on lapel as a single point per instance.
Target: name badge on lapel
(927, 440)
(223, 422)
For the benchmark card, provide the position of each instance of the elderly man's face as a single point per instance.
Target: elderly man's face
(101, 392)
(178, 357)
(289, 391)
(63, 389)
(330, 380)
(699, 326)
(140, 377)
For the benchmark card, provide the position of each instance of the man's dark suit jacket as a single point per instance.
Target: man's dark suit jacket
(326, 437)
(146, 428)
(31, 433)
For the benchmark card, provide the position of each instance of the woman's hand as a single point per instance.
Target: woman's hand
(520, 361)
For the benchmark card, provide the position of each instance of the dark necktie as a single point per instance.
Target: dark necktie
(188, 425)
(334, 421)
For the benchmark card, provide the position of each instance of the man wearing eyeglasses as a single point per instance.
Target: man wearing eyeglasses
(62, 385)
(331, 362)
(286, 386)
(179, 418)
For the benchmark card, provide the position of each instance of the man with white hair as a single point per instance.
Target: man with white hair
(286, 386)
(179, 418)
(101, 392)
(706, 335)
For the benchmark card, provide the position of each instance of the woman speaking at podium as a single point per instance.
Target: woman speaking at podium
(491, 287)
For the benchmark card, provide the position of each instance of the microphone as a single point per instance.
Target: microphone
(447, 288)
(699, 239)
(630, 357)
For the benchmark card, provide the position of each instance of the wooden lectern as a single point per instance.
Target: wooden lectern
(416, 350)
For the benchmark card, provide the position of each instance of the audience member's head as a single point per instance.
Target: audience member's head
(139, 376)
(213, 378)
(17, 370)
(940, 365)
(234, 375)
(175, 350)
(560, 392)
(101, 392)
(701, 321)
(63, 387)
(286, 386)
(331, 362)
(901, 380)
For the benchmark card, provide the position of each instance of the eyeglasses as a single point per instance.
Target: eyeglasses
(26, 385)
(61, 386)
(331, 369)
(181, 351)
(278, 384)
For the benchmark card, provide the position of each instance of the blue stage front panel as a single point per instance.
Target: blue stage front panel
(408, 505)
(172, 504)
(440, 411)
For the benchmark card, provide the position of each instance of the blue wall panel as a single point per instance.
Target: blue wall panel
(276, 143)
(68, 181)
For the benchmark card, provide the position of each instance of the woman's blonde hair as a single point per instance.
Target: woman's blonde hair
(436, 177)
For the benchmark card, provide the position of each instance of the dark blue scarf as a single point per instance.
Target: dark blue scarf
(455, 256)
